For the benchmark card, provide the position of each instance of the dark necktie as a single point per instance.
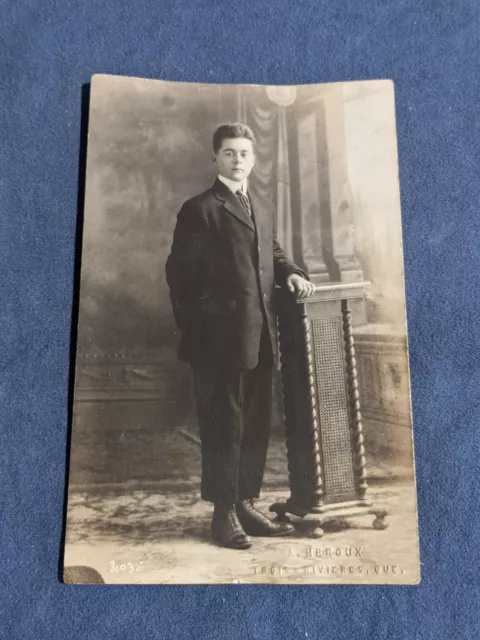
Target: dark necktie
(244, 201)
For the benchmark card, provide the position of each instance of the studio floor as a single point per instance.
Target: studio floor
(159, 533)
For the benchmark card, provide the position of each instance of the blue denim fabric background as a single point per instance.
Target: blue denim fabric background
(49, 50)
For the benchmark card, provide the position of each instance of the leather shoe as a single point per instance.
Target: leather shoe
(256, 523)
(227, 530)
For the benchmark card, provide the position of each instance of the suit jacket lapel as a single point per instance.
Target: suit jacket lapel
(232, 204)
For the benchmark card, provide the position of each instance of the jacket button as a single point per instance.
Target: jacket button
(264, 295)
(258, 248)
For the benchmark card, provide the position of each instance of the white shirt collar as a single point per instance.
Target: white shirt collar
(232, 185)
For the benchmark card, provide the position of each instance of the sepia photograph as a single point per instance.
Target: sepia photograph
(241, 400)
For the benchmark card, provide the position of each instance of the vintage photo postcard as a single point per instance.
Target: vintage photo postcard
(242, 399)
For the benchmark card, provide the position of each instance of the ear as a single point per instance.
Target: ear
(214, 158)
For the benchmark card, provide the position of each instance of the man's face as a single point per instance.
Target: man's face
(235, 159)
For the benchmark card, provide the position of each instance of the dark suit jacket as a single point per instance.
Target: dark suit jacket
(222, 272)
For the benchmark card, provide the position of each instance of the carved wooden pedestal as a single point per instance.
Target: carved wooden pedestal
(326, 454)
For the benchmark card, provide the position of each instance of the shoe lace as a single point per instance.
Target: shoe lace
(250, 503)
(233, 519)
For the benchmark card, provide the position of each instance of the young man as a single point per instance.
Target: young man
(222, 271)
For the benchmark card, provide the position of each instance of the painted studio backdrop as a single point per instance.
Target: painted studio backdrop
(326, 156)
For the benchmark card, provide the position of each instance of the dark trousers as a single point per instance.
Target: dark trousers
(234, 415)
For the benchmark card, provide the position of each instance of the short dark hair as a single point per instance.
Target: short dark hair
(232, 130)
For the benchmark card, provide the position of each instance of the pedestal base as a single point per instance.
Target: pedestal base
(318, 516)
